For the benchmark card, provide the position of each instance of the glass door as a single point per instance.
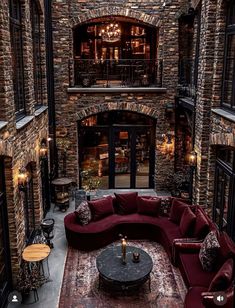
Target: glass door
(142, 159)
(122, 158)
(94, 158)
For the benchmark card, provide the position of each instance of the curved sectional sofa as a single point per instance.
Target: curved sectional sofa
(182, 249)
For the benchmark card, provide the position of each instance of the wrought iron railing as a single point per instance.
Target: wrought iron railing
(116, 73)
(186, 83)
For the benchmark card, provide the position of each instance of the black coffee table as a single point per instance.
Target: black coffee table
(118, 276)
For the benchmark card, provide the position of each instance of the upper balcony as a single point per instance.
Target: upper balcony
(121, 73)
(115, 54)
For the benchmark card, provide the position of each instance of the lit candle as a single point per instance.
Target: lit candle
(124, 250)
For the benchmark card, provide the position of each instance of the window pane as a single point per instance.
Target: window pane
(231, 46)
(35, 21)
(227, 156)
(17, 55)
(226, 201)
(227, 92)
(231, 20)
(229, 69)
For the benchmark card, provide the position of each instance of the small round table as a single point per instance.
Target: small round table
(37, 253)
(61, 186)
(119, 276)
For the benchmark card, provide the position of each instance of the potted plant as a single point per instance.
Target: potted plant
(29, 278)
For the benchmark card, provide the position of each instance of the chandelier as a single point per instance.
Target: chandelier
(111, 33)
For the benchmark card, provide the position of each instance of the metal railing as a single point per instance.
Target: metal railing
(186, 82)
(116, 73)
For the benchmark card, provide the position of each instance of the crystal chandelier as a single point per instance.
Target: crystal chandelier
(111, 33)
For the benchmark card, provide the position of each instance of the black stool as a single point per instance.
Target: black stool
(47, 226)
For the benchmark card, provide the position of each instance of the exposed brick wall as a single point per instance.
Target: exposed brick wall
(20, 147)
(68, 14)
(80, 106)
(203, 103)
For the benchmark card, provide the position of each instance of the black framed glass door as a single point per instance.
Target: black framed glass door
(224, 191)
(5, 265)
(117, 156)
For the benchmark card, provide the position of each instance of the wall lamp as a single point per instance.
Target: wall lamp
(43, 150)
(168, 143)
(22, 179)
(192, 159)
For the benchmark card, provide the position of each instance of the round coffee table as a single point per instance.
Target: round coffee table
(116, 275)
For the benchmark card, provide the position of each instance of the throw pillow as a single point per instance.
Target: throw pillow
(187, 222)
(101, 208)
(208, 251)
(223, 279)
(148, 206)
(201, 225)
(83, 213)
(177, 209)
(126, 203)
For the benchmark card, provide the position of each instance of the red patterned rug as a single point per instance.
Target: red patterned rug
(80, 283)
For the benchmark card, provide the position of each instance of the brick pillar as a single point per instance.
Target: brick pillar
(203, 103)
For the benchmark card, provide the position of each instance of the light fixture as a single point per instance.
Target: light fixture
(192, 159)
(111, 32)
(43, 150)
(22, 178)
(168, 143)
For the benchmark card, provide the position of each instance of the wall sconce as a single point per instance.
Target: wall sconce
(192, 159)
(167, 143)
(22, 179)
(43, 150)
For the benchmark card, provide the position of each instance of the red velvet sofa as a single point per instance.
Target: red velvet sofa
(183, 251)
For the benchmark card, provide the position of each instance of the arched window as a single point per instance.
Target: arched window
(116, 51)
(228, 94)
(37, 57)
(17, 56)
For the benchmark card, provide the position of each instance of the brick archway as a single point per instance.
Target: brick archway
(115, 11)
(139, 108)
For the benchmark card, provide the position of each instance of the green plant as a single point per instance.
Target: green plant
(90, 180)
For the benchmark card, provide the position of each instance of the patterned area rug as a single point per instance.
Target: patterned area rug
(80, 282)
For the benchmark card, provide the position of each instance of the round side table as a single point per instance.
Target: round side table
(37, 253)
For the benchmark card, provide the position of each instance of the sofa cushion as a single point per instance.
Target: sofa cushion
(202, 226)
(223, 279)
(187, 222)
(209, 251)
(193, 297)
(126, 203)
(192, 271)
(83, 213)
(177, 209)
(101, 208)
(148, 206)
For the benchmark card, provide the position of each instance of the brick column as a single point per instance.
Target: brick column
(203, 103)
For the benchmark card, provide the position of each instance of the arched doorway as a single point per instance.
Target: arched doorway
(117, 148)
(5, 265)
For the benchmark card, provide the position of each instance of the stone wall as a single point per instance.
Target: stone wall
(80, 106)
(20, 146)
(68, 14)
